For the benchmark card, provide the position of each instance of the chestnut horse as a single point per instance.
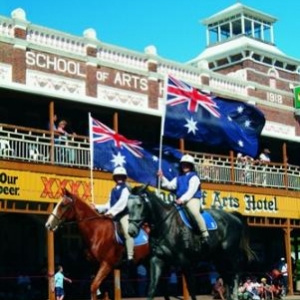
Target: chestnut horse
(99, 233)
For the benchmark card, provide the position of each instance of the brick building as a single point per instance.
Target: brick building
(44, 72)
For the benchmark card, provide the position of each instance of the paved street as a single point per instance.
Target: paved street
(208, 297)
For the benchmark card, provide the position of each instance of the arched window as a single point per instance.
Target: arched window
(273, 74)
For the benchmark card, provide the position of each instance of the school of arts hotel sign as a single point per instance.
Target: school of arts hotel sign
(40, 187)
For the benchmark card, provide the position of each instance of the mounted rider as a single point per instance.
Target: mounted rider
(187, 187)
(116, 207)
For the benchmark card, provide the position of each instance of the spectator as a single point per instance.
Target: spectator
(264, 157)
(265, 290)
(283, 267)
(244, 164)
(173, 283)
(59, 279)
(142, 280)
(219, 289)
(64, 154)
(249, 289)
(24, 286)
(206, 169)
(213, 276)
(264, 160)
(54, 123)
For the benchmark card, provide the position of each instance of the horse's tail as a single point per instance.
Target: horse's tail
(244, 241)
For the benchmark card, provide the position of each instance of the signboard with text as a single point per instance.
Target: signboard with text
(22, 185)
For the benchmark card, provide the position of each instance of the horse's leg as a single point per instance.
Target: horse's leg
(156, 266)
(190, 282)
(235, 287)
(102, 273)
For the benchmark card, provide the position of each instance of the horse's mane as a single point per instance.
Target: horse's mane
(143, 189)
(76, 198)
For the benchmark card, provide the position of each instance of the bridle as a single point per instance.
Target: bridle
(138, 222)
(67, 206)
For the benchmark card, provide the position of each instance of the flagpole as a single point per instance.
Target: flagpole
(162, 128)
(91, 156)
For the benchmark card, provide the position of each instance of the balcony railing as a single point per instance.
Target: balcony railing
(39, 146)
(32, 145)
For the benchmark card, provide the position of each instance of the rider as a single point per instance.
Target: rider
(116, 207)
(187, 187)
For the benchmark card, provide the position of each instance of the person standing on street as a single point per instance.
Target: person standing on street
(59, 279)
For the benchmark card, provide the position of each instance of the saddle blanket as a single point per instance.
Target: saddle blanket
(141, 239)
(209, 220)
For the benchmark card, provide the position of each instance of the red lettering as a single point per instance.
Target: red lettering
(87, 188)
(47, 187)
(61, 187)
(75, 186)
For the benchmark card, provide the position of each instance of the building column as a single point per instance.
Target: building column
(19, 48)
(91, 64)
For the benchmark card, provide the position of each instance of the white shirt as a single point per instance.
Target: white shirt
(264, 157)
(284, 270)
(193, 187)
(118, 207)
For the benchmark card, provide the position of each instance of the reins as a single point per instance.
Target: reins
(70, 205)
(166, 217)
(84, 219)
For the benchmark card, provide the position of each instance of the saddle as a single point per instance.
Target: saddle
(189, 221)
(141, 239)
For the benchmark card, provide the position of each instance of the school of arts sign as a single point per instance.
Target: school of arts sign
(66, 66)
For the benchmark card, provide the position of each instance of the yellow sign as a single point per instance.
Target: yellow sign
(22, 185)
(250, 204)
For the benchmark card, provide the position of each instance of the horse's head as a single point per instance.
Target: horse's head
(61, 212)
(137, 204)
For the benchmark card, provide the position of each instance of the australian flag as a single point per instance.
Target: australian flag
(111, 149)
(197, 116)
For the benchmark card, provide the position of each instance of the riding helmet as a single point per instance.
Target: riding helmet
(187, 159)
(120, 171)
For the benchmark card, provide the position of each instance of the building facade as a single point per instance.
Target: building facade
(45, 72)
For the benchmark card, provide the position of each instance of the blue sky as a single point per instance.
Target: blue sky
(173, 26)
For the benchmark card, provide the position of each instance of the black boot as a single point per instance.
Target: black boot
(205, 241)
(130, 263)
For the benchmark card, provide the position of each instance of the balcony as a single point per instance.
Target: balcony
(39, 146)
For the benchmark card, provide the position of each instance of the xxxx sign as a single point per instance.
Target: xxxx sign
(53, 188)
(29, 186)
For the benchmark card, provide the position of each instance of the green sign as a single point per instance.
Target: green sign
(297, 96)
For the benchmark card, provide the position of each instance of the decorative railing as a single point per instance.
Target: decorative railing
(6, 27)
(39, 146)
(56, 40)
(32, 145)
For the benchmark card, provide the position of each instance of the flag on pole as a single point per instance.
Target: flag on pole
(111, 149)
(91, 158)
(197, 116)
